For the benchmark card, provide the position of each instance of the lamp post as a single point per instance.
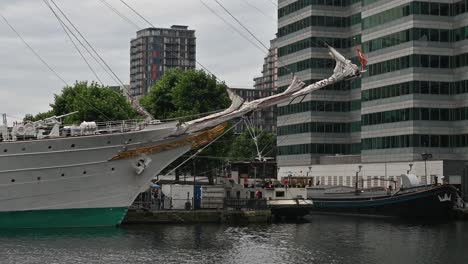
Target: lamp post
(357, 179)
(255, 174)
(425, 156)
(309, 182)
(410, 168)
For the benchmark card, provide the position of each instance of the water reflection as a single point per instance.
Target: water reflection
(325, 239)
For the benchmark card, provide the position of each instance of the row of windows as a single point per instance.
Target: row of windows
(345, 149)
(459, 7)
(283, 88)
(430, 114)
(296, 6)
(417, 60)
(424, 34)
(319, 21)
(319, 106)
(312, 63)
(421, 34)
(415, 87)
(319, 127)
(340, 86)
(415, 141)
(368, 2)
(413, 8)
(407, 62)
(319, 42)
(297, 46)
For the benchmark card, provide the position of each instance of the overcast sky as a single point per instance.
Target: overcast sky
(27, 86)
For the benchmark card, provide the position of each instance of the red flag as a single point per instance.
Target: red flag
(362, 58)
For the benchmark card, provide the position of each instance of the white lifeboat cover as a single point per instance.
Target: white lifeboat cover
(88, 125)
(410, 180)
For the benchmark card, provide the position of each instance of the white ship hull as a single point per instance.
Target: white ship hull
(80, 181)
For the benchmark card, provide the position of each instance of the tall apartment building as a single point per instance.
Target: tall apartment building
(156, 50)
(269, 76)
(412, 101)
(266, 86)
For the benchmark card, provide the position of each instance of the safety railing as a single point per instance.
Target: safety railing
(244, 204)
(146, 201)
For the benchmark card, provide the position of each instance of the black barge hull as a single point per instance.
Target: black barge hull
(436, 201)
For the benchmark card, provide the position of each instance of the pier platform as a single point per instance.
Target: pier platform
(197, 216)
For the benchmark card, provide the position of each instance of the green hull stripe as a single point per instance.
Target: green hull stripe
(86, 217)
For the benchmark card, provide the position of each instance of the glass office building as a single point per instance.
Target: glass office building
(329, 121)
(412, 100)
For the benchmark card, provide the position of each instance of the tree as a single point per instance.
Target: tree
(184, 93)
(179, 94)
(37, 117)
(243, 147)
(93, 103)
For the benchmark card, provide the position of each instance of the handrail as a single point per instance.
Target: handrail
(41, 131)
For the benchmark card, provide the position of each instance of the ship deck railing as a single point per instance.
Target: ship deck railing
(108, 127)
(121, 126)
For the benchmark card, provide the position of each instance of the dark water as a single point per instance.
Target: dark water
(325, 239)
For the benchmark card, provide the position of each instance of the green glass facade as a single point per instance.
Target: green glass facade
(319, 106)
(433, 98)
(414, 114)
(416, 141)
(301, 4)
(317, 42)
(319, 21)
(415, 87)
(315, 63)
(415, 77)
(317, 32)
(326, 149)
(341, 86)
(320, 127)
(419, 61)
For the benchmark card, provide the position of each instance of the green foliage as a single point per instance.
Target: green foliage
(93, 103)
(211, 159)
(183, 93)
(186, 93)
(39, 116)
(243, 147)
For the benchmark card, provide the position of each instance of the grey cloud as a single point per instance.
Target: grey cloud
(26, 86)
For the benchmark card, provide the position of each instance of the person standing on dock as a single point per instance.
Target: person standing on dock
(161, 201)
(258, 194)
